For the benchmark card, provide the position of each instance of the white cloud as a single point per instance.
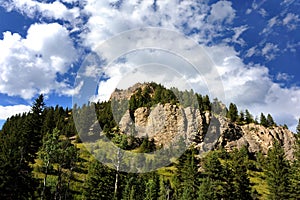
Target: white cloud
(283, 77)
(222, 11)
(30, 65)
(251, 87)
(252, 51)
(263, 12)
(238, 31)
(8, 111)
(271, 22)
(55, 10)
(199, 19)
(291, 21)
(269, 51)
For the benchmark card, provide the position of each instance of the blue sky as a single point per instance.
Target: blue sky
(255, 46)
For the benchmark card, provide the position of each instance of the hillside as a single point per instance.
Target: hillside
(153, 143)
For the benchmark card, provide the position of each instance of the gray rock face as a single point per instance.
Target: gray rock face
(256, 138)
(167, 123)
(164, 123)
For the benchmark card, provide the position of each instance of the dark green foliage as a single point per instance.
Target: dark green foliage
(248, 117)
(100, 182)
(240, 180)
(277, 171)
(232, 112)
(212, 184)
(263, 120)
(208, 190)
(295, 169)
(16, 181)
(188, 175)
(241, 118)
(270, 121)
(152, 187)
(142, 98)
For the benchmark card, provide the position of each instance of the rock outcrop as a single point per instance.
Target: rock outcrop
(166, 123)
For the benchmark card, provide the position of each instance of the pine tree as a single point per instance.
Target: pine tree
(270, 121)
(298, 127)
(208, 190)
(295, 168)
(241, 182)
(33, 128)
(248, 117)
(212, 184)
(277, 173)
(263, 120)
(241, 117)
(16, 181)
(152, 188)
(232, 112)
(165, 191)
(188, 175)
(100, 182)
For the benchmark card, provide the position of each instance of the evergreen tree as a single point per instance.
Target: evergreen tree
(16, 181)
(241, 182)
(212, 184)
(277, 173)
(208, 190)
(248, 117)
(165, 191)
(298, 127)
(152, 188)
(232, 112)
(263, 120)
(270, 121)
(295, 169)
(100, 182)
(33, 128)
(188, 175)
(241, 118)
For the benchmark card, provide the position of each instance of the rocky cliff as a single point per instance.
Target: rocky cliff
(168, 122)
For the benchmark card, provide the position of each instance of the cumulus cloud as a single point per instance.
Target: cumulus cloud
(251, 87)
(197, 19)
(222, 11)
(54, 10)
(8, 111)
(30, 65)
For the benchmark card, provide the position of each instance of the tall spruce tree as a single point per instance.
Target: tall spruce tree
(232, 112)
(248, 117)
(188, 175)
(270, 121)
(295, 172)
(33, 128)
(263, 120)
(277, 173)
